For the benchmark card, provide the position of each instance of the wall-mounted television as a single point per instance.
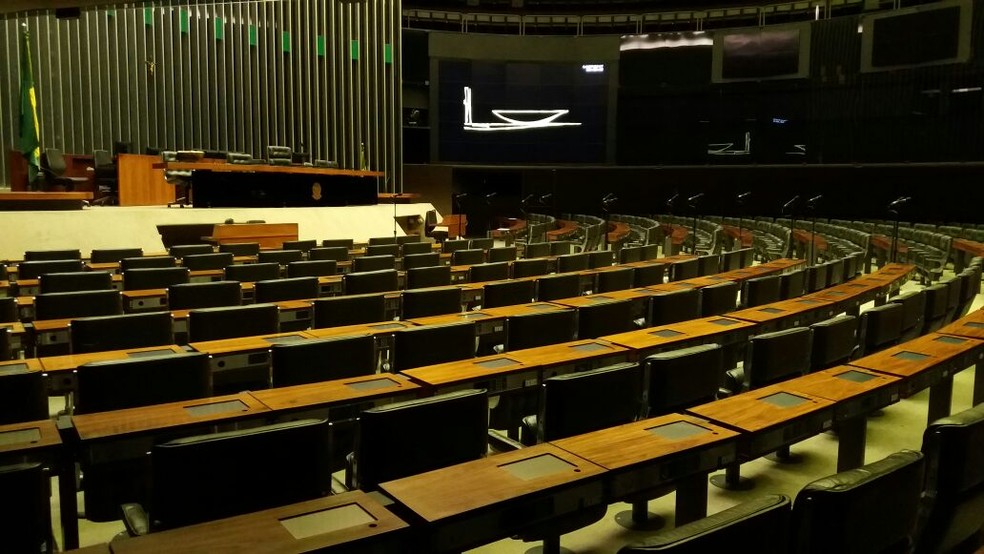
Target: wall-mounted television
(522, 111)
(775, 52)
(930, 34)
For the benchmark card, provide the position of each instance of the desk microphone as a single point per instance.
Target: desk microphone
(899, 201)
(791, 202)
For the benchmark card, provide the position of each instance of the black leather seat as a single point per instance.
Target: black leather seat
(600, 258)
(412, 248)
(278, 290)
(233, 321)
(424, 277)
(760, 290)
(252, 272)
(488, 272)
(671, 307)
(312, 268)
(190, 296)
(368, 282)
(540, 329)
(415, 261)
(556, 287)
(507, 293)
(182, 250)
(235, 472)
(26, 524)
(133, 382)
(383, 250)
(537, 250)
(792, 284)
(432, 344)
(336, 253)
(373, 263)
(771, 358)
(428, 302)
(605, 318)
(65, 305)
(644, 276)
(719, 298)
(913, 311)
(502, 254)
(113, 255)
(952, 512)
(154, 277)
(868, 510)
(75, 281)
(282, 257)
(708, 264)
(835, 342)
(303, 245)
(567, 263)
(52, 255)
(937, 300)
(685, 269)
(468, 256)
(23, 395)
(147, 262)
(349, 310)
(241, 248)
(34, 269)
(311, 361)
(614, 279)
(205, 262)
(347, 244)
(881, 327)
(760, 525)
(119, 332)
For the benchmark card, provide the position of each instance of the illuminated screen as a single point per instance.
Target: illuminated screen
(761, 54)
(522, 112)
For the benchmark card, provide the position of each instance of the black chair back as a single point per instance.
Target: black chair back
(347, 244)
(867, 510)
(835, 342)
(182, 250)
(952, 511)
(760, 525)
(154, 277)
(368, 282)
(792, 284)
(147, 262)
(238, 472)
(408, 438)
(488, 272)
(381, 241)
(34, 269)
(671, 307)
(572, 262)
(630, 254)
(433, 344)
(52, 255)
(337, 311)
(141, 381)
(541, 329)
(451, 246)
(483, 243)
(8, 310)
(646, 275)
(383, 250)
(424, 277)
(604, 318)
(23, 395)
(252, 272)
(119, 332)
(468, 257)
(881, 327)
(190, 296)
(278, 290)
(26, 525)
(502, 254)
(282, 257)
(556, 287)
(373, 263)
(412, 248)
(937, 300)
(302, 245)
(614, 279)
(205, 262)
(113, 255)
(683, 378)
(835, 272)
(507, 293)
(537, 250)
(760, 290)
(719, 299)
(233, 321)
(530, 267)
(777, 356)
(586, 401)
(816, 278)
(684, 269)
(241, 248)
(600, 258)
(913, 311)
(428, 302)
(414, 261)
(312, 268)
(708, 264)
(311, 361)
(65, 305)
(75, 281)
(336, 253)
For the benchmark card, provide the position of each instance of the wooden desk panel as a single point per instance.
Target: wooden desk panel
(566, 353)
(970, 326)
(490, 502)
(161, 417)
(681, 334)
(932, 351)
(70, 362)
(787, 313)
(141, 183)
(244, 344)
(224, 167)
(263, 532)
(13, 366)
(380, 328)
(748, 412)
(326, 394)
(470, 371)
(47, 437)
(268, 235)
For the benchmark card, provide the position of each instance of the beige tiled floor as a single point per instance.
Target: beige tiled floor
(900, 426)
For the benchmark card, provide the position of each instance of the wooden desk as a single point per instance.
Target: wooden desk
(747, 237)
(141, 183)
(497, 496)
(849, 297)
(564, 230)
(857, 392)
(76, 165)
(18, 335)
(243, 361)
(225, 185)
(40, 441)
(487, 321)
(928, 361)
(166, 418)
(497, 373)
(794, 312)
(325, 395)
(46, 201)
(268, 235)
(726, 331)
(60, 370)
(970, 326)
(568, 357)
(352, 522)
(20, 366)
(650, 453)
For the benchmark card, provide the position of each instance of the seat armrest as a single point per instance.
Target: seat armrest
(501, 443)
(135, 519)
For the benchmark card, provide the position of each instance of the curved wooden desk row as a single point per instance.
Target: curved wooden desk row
(609, 465)
(184, 416)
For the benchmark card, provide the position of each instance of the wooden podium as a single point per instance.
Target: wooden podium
(269, 235)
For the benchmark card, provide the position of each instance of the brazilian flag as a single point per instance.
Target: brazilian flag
(30, 142)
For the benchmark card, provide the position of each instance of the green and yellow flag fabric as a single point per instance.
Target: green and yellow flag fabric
(30, 142)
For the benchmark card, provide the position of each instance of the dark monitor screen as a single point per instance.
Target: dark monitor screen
(522, 112)
(916, 38)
